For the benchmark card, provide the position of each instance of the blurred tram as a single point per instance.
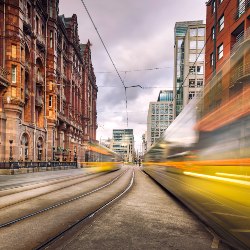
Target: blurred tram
(203, 158)
(101, 159)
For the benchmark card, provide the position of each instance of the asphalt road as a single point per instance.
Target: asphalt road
(147, 217)
(33, 231)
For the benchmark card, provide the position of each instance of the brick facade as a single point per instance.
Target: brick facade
(48, 87)
(227, 60)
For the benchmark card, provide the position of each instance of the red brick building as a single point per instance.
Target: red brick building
(227, 59)
(48, 88)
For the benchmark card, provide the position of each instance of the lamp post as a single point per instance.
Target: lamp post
(70, 155)
(53, 153)
(63, 154)
(75, 156)
(11, 153)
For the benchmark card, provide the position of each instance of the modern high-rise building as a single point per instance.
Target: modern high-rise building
(160, 116)
(188, 62)
(123, 143)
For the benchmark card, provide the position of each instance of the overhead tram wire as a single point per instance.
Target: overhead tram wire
(125, 88)
(135, 70)
(207, 39)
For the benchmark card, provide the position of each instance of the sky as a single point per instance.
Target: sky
(139, 35)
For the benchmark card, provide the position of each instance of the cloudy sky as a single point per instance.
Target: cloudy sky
(139, 35)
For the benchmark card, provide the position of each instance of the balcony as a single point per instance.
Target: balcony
(64, 98)
(39, 101)
(27, 94)
(240, 74)
(40, 40)
(241, 9)
(4, 83)
(245, 36)
(40, 80)
(27, 66)
(27, 26)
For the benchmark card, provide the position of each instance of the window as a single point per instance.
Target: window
(37, 25)
(200, 44)
(193, 32)
(241, 7)
(191, 94)
(213, 33)
(50, 101)
(200, 70)
(13, 50)
(191, 83)
(192, 45)
(199, 83)
(200, 57)
(51, 11)
(51, 39)
(201, 32)
(213, 7)
(221, 23)
(28, 10)
(55, 40)
(192, 57)
(220, 51)
(212, 59)
(191, 69)
(13, 73)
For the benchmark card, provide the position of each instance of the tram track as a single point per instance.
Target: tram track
(61, 203)
(53, 239)
(88, 207)
(10, 189)
(30, 196)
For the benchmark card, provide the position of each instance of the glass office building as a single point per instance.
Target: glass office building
(160, 116)
(189, 62)
(123, 143)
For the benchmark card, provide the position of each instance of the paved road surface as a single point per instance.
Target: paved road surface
(146, 218)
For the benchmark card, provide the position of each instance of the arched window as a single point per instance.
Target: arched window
(24, 150)
(39, 148)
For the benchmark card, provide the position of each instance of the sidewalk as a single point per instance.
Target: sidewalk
(16, 180)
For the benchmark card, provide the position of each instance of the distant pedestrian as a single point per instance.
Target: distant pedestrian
(135, 162)
(139, 162)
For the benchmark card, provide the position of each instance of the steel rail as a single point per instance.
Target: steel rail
(87, 217)
(9, 223)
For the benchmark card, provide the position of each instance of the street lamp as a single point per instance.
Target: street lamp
(75, 156)
(53, 153)
(11, 153)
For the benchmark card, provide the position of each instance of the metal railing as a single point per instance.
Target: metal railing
(41, 39)
(40, 164)
(240, 72)
(40, 79)
(3, 72)
(241, 9)
(39, 101)
(244, 36)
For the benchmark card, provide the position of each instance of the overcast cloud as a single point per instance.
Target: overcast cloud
(139, 34)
